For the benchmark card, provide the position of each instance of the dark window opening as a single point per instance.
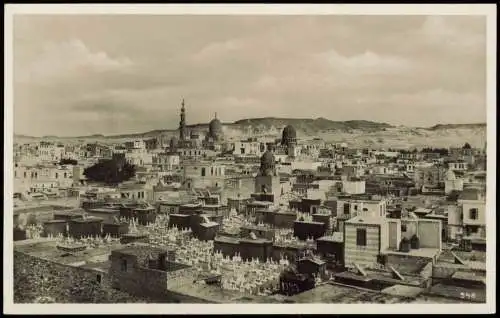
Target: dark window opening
(403, 228)
(124, 265)
(99, 278)
(346, 209)
(473, 214)
(361, 237)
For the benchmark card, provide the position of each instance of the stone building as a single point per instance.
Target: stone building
(267, 180)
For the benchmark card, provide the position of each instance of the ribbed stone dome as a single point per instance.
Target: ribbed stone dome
(215, 129)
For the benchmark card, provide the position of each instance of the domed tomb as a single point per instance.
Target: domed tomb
(215, 129)
(289, 135)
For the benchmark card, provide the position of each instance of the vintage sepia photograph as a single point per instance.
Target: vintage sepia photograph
(259, 156)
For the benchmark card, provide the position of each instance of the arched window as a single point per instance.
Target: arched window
(203, 172)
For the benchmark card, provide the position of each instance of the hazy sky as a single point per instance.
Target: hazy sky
(76, 75)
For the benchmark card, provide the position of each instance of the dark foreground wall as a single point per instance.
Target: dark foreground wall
(63, 283)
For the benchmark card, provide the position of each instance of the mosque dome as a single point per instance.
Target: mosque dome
(289, 135)
(215, 129)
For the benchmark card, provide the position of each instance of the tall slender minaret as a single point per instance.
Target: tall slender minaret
(182, 124)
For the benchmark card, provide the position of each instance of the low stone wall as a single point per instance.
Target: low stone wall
(426, 272)
(34, 277)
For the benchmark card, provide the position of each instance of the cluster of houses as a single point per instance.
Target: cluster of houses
(365, 209)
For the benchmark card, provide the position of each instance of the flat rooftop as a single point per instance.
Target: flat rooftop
(104, 210)
(54, 221)
(260, 203)
(47, 249)
(421, 252)
(180, 215)
(337, 237)
(227, 239)
(256, 241)
(89, 219)
(309, 222)
(139, 250)
(209, 224)
(192, 205)
(212, 206)
(366, 220)
(42, 208)
(255, 227)
(144, 209)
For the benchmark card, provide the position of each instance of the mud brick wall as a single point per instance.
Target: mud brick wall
(226, 248)
(137, 279)
(35, 277)
(148, 282)
(284, 220)
(291, 253)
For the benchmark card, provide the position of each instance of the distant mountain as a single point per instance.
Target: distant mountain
(359, 132)
(312, 125)
(457, 126)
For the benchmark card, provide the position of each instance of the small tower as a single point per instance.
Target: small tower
(267, 180)
(182, 123)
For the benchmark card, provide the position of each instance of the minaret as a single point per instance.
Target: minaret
(182, 124)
